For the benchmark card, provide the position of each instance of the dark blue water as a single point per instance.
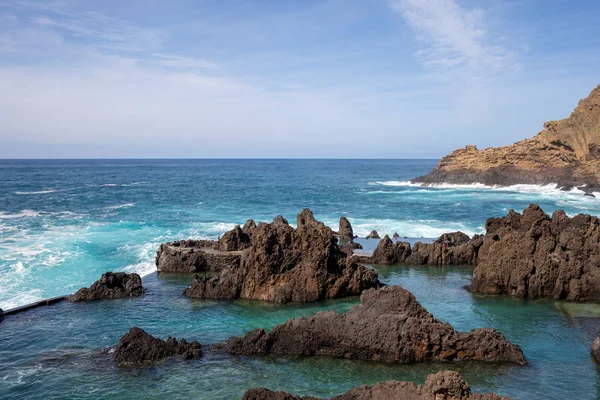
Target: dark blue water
(63, 223)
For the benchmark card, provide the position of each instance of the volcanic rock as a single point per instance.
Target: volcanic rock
(534, 255)
(235, 240)
(249, 227)
(284, 264)
(112, 285)
(389, 326)
(373, 235)
(345, 231)
(279, 220)
(138, 347)
(189, 256)
(1, 315)
(596, 349)
(566, 152)
(444, 385)
(396, 235)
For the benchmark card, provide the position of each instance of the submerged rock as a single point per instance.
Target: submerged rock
(284, 264)
(444, 385)
(373, 235)
(596, 349)
(112, 285)
(389, 325)
(345, 230)
(534, 255)
(138, 347)
(190, 256)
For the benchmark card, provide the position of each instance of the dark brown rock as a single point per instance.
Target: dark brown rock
(396, 235)
(596, 349)
(388, 252)
(112, 285)
(249, 227)
(194, 256)
(279, 220)
(373, 235)
(345, 230)
(234, 240)
(444, 385)
(139, 347)
(285, 264)
(533, 255)
(389, 326)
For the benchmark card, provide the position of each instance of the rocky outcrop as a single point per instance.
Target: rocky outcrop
(112, 285)
(345, 230)
(1, 315)
(249, 227)
(389, 325)
(373, 235)
(596, 349)
(449, 249)
(139, 347)
(566, 152)
(396, 235)
(444, 385)
(234, 240)
(284, 264)
(533, 255)
(190, 256)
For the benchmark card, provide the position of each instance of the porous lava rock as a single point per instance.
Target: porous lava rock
(345, 230)
(284, 264)
(234, 240)
(373, 235)
(190, 256)
(443, 385)
(112, 285)
(389, 325)
(139, 347)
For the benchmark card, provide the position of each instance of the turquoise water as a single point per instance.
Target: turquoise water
(63, 223)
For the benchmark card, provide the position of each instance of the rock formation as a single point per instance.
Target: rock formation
(112, 285)
(389, 325)
(566, 152)
(249, 227)
(189, 256)
(444, 385)
(373, 235)
(234, 240)
(396, 235)
(138, 347)
(533, 255)
(285, 264)
(1, 315)
(596, 349)
(345, 231)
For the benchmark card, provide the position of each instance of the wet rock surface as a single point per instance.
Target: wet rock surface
(284, 264)
(139, 347)
(345, 230)
(443, 385)
(596, 349)
(389, 325)
(190, 256)
(373, 235)
(112, 285)
(534, 255)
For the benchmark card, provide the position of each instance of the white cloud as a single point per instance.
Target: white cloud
(172, 60)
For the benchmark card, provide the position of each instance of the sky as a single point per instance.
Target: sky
(293, 78)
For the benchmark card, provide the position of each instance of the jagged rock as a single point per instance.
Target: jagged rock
(596, 349)
(389, 326)
(279, 220)
(234, 240)
(396, 236)
(112, 285)
(533, 255)
(189, 256)
(444, 385)
(373, 235)
(345, 230)
(249, 227)
(285, 264)
(138, 347)
(566, 152)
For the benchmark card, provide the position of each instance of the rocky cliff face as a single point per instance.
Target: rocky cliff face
(389, 326)
(112, 285)
(190, 256)
(284, 264)
(138, 347)
(444, 385)
(566, 152)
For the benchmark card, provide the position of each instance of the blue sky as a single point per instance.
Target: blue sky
(295, 78)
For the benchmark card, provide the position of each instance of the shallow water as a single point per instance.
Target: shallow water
(63, 223)
(63, 351)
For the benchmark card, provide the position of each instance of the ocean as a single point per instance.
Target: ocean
(65, 222)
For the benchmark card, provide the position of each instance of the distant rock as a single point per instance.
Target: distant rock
(388, 326)
(373, 235)
(234, 240)
(396, 235)
(566, 152)
(190, 256)
(284, 264)
(444, 385)
(112, 285)
(279, 220)
(345, 230)
(139, 347)
(534, 255)
(596, 349)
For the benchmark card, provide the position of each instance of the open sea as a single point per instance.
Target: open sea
(65, 222)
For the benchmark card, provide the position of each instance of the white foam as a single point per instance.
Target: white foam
(21, 214)
(118, 207)
(36, 192)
